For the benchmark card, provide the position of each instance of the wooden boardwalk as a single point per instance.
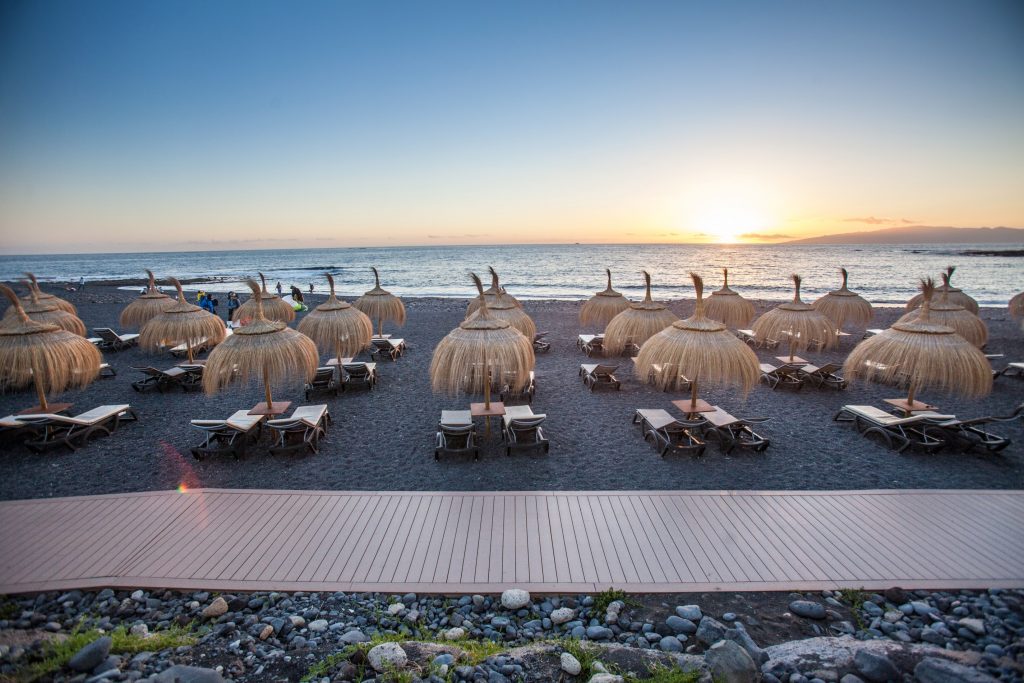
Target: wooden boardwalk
(654, 541)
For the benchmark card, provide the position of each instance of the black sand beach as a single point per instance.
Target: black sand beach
(383, 439)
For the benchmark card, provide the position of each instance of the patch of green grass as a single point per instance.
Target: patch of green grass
(665, 674)
(56, 653)
(586, 655)
(9, 609)
(854, 597)
(607, 597)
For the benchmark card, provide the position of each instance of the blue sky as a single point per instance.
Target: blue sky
(135, 124)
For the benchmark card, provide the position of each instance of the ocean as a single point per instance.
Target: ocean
(884, 274)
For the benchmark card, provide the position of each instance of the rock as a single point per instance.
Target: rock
(457, 633)
(90, 656)
(875, 667)
(318, 625)
(807, 609)
(710, 631)
(139, 631)
(138, 596)
(935, 670)
(215, 609)
(395, 608)
(975, 626)
(740, 636)
(922, 609)
(599, 633)
(515, 598)
(266, 632)
(730, 663)
(680, 625)
(605, 678)
(729, 616)
(188, 674)
(896, 596)
(570, 664)
(691, 612)
(670, 644)
(851, 678)
(562, 615)
(354, 636)
(387, 656)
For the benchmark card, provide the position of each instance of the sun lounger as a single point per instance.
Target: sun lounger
(659, 370)
(324, 381)
(969, 434)
(599, 375)
(355, 375)
(732, 432)
(539, 345)
(594, 345)
(186, 377)
(788, 376)
(872, 331)
(63, 430)
(665, 432)
(456, 434)
(302, 430)
(899, 433)
(824, 376)
(1011, 370)
(521, 428)
(525, 394)
(107, 370)
(387, 348)
(112, 341)
(748, 337)
(232, 435)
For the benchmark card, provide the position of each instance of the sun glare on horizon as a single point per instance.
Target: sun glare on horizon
(727, 222)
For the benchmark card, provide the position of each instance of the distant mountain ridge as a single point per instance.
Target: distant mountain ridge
(921, 234)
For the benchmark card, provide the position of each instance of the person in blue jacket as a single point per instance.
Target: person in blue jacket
(206, 303)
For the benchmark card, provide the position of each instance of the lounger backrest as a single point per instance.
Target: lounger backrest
(323, 376)
(658, 418)
(768, 368)
(456, 418)
(513, 412)
(456, 436)
(357, 370)
(604, 370)
(106, 334)
(243, 421)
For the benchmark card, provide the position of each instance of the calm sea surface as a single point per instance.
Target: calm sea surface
(883, 274)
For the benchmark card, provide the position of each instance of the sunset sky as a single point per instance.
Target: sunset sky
(130, 125)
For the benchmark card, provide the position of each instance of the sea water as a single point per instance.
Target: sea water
(884, 274)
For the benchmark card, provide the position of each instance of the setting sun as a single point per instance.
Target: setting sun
(730, 221)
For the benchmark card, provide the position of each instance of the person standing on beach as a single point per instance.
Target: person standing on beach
(81, 284)
(310, 287)
(232, 306)
(279, 288)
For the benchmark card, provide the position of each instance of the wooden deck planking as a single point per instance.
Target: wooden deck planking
(543, 541)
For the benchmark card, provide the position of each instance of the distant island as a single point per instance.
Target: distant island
(921, 234)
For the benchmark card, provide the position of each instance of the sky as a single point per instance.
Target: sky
(136, 126)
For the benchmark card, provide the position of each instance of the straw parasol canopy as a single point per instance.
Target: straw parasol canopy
(603, 306)
(181, 323)
(274, 308)
(337, 326)
(380, 305)
(701, 349)
(265, 349)
(800, 322)
(490, 294)
(944, 312)
(44, 297)
(42, 354)
(923, 354)
(479, 348)
(638, 323)
(956, 296)
(1017, 306)
(46, 311)
(146, 306)
(728, 306)
(502, 307)
(843, 306)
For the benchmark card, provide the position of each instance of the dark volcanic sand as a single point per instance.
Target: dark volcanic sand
(383, 439)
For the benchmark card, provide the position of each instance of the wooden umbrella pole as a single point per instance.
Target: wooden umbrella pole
(693, 395)
(910, 394)
(487, 382)
(380, 327)
(188, 346)
(791, 346)
(266, 388)
(40, 394)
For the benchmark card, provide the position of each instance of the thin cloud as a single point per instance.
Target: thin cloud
(452, 237)
(764, 236)
(872, 220)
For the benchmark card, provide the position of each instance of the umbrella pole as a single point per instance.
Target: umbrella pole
(40, 394)
(188, 347)
(693, 395)
(487, 384)
(910, 394)
(266, 388)
(791, 346)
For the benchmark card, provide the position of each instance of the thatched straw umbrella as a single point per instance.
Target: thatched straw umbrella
(380, 305)
(944, 312)
(638, 323)
(603, 306)
(274, 308)
(46, 311)
(482, 346)
(503, 308)
(924, 354)
(147, 305)
(801, 322)
(701, 349)
(265, 349)
(491, 295)
(1017, 306)
(728, 306)
(49, 298)
(337, 326)
(45, 355)
(956, 296)
(181, 323)
(843, 306)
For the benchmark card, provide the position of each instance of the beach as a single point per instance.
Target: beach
(383, 439)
